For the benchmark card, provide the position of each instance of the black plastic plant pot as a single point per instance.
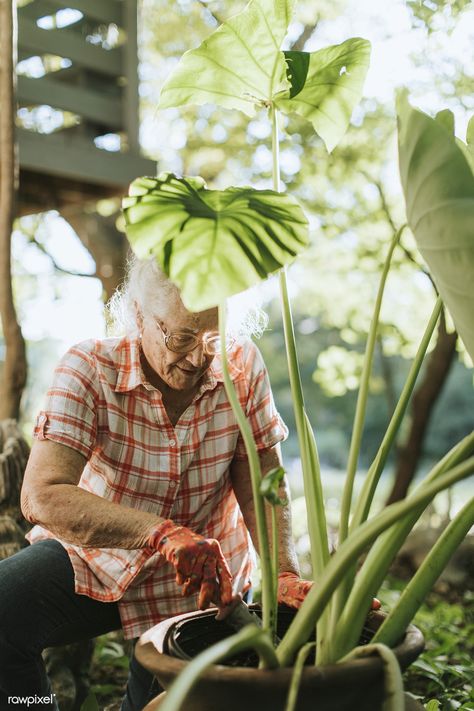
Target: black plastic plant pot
(237, 684)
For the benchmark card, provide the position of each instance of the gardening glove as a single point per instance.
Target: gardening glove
(292, 591)
(199, 563)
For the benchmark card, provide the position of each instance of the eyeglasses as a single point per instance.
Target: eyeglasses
(183, 342)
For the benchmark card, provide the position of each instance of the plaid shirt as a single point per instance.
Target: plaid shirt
(101, 405)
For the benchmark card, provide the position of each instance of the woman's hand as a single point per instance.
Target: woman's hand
(198, 561)
(292, 591)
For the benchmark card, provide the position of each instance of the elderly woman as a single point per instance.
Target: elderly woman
(138, 483)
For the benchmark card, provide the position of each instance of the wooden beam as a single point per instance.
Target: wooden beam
(73, 157)
(53, 192)
(87, 103)
(130, 94)
(102, 10)
(67, 43)
(36, 9)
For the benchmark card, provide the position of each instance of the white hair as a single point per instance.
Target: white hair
(147, 289)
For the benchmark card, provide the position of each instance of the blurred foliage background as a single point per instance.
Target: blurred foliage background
(352, 198)
(66, 266)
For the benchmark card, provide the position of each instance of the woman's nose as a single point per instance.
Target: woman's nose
(197, 355)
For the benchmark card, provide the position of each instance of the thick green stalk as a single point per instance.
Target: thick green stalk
(268, 607)
(251, 637)
(393, 682)
(275, 555)
(348, 552)
(382, 553)
(362, 397)
(357, 429)
(424, 579)
(366, 495)
(296, 676)
(317, 527)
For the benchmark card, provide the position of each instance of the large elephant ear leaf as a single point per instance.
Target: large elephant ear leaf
(239, 65)
(468, 148)
(438, 184)
(212, 243)
(326, 86)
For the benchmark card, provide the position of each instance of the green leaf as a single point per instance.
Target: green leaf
(212, 243)
(239, 65)
(326, 86)
(432, 705)
(105, 689)
(470, 132)
(270, 485)
(469, 148)
(90, 704)
(438, 184)
(446, 119)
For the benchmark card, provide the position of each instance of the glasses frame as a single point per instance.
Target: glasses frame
(196, 339)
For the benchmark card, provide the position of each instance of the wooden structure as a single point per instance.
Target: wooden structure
(78, 61)
(14, 453)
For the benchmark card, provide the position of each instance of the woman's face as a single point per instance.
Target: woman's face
(179, 371)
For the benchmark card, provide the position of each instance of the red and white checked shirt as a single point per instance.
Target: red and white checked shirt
(101, 405)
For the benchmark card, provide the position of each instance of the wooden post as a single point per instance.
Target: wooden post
(130, 71)
(14, 367)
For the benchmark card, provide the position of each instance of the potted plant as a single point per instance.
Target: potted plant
(214, 243)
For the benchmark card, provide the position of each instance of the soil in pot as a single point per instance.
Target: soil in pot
(189, 638)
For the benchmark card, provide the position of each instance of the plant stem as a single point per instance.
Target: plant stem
(362, 396)
(382, 553)
(251, 637)
(317, 527)
(274, 578)
(268, 611)
(348, 552)
(366, 495)
(423, 580)
(370, 483)
(296, 676)
(275, 150)
(393, 682)
(358, 426)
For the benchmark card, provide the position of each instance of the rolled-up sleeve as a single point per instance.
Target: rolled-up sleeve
(69, 415)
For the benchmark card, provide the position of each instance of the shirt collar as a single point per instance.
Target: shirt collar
(130, 373)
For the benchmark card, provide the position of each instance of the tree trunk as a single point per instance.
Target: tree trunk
(14, 368)
(424, 398)
(108, 246)
(14, 453)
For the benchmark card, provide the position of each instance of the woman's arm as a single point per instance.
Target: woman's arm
(50, 496)
(241, 483)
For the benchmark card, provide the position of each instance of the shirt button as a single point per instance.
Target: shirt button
(172, 484)
(172, 442)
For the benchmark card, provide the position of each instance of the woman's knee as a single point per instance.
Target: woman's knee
(24, 589)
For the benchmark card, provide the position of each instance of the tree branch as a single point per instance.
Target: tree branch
(307, 33)
(217, 18)
(56, 266)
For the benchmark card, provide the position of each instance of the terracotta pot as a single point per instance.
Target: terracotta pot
(351, 686)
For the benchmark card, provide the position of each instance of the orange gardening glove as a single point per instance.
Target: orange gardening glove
(292, 591)
(199, 562)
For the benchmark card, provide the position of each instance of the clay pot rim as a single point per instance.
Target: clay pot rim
(148, 653)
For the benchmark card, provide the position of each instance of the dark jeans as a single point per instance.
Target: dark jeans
(39, 609)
